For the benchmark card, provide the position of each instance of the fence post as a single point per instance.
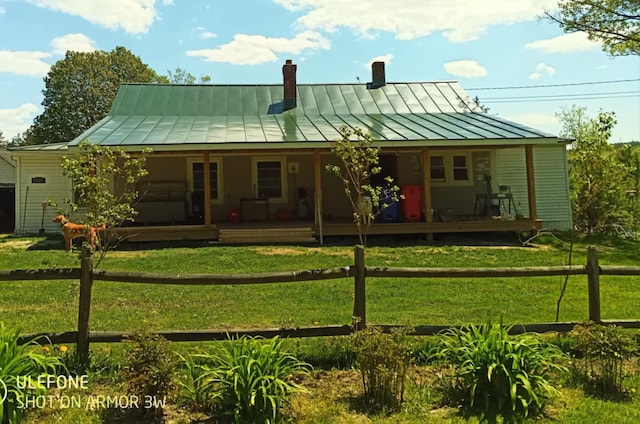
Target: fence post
(84, 308)
(593, 280)
(359, 299)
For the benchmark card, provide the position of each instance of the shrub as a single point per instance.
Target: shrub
(149, 370)
(383, 360)
(21, 362)
(600, 353)
(498, 374)
(250, 379)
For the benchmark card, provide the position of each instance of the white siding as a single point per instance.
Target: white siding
(30, 196)
(7, 171)
(552, 186)
(512, 171)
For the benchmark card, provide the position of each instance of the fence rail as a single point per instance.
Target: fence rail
(358, 271)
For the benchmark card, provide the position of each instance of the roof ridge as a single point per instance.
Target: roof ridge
(280, 84)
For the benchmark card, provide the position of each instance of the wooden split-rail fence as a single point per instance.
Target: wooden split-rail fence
(358, 271)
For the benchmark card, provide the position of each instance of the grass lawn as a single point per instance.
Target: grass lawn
(51, 306)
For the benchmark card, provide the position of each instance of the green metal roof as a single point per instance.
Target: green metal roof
(176, 117)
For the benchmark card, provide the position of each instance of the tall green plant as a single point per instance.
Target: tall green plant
(249, 379)
(359, 160)
(498, 374)
(18, 364)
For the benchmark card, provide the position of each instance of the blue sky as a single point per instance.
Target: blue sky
(485, 45)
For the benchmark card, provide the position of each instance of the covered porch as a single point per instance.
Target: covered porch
(222, 196)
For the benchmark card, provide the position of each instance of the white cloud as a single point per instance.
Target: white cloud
(24, 63)
(203, 34)
(566, 43)
(16, 121)
(465, 69)
(72, 42)
(409, 19)
(133, 16)
(543, 121)
(257, 49)
(387, 58)
(2, 10)
(542, 69)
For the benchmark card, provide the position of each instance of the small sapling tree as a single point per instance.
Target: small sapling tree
(359, 160)
(104, 184)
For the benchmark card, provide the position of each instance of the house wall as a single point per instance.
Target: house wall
(335, 204)
(552, 186)
(30, 195)
(551, 183)
(7, 170)
(511, 171)
(460, 200)
(237, 184)
(457, 200)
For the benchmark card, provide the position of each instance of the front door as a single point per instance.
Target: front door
(389, 165)
(7, 209)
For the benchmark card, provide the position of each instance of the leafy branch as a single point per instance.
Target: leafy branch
(359, 160)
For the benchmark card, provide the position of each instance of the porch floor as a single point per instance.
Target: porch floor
(309, 232)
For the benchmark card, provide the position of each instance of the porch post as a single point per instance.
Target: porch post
(531, 182)
(317, 173)
(426, 188)
(207, 189)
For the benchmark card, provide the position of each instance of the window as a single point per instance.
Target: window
(451, 168)
(437, 168)
(195, 170)
(269, 178)
(460, 171)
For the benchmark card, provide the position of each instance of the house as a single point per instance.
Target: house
(247, 162)
(7, 191)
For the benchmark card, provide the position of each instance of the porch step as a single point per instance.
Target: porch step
(267, 235)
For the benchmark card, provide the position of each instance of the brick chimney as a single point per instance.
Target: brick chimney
(289, 82)
(377, 75)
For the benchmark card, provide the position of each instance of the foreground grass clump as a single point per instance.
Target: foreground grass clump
(20, 364)
(149, 370)
(495, 373)
(250, 380)
(383, 360)
(600, 354)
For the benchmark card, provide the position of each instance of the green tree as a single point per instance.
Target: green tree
(615, 23)
(24, 139)
(482, 106)
(80, 88)
(359, 160)
(181, 76)
(597, 176)
(105, 187)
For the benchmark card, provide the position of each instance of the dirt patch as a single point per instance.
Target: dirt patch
(128, 254)
(17, 244)
(290, 251)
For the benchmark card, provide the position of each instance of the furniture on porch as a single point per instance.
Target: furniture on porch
(162, 203)
(488, 204)
(253, 201)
